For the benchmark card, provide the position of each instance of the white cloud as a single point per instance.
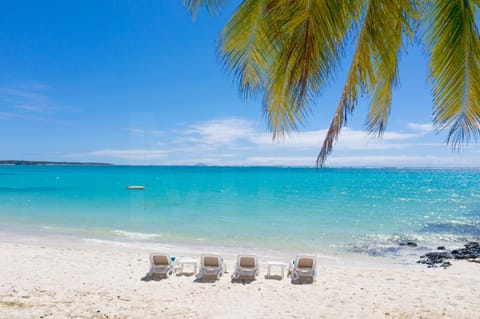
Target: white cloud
(142, 132)
(365, 161)
(280, 161)
(403, 161)
(219, 132)
(10, 115)
(34, 108)
(26, 102)
(422, 127)
(34, 86)
(133, 154)
(349, 140)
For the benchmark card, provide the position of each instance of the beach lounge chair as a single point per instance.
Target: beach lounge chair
(246, 265)
(303, 266)
(211, 265)
(161, 263)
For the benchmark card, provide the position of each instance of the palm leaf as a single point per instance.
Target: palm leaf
(310, 37)
(374, 68)
(194, 6)
(451, 36)
(245, 47)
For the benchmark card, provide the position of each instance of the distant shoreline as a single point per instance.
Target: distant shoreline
(202, 165)
(34, 163)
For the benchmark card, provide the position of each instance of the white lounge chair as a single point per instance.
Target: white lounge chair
(303, 266)
(211, 265)
(246, 265)
(161, 263)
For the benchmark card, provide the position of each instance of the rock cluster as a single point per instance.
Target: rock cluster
(471, 252)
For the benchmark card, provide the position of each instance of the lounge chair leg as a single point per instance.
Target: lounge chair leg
(295, 276)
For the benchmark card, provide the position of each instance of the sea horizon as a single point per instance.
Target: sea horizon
(87, 163)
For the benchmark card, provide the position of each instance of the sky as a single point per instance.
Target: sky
(139, 82)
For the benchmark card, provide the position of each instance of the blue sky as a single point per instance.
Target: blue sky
(138, 82)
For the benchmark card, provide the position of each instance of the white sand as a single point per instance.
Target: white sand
(99, 281)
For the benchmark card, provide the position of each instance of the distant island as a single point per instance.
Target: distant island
(200, 165)
(16, 162)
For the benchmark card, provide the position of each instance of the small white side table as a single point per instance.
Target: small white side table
(188, 261)
(271, 264)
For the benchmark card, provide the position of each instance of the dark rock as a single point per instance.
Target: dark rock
(472, 245)
(441, 247)
(438, 255)
(408, 243)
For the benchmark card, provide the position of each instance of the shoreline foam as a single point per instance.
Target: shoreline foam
(375, 250)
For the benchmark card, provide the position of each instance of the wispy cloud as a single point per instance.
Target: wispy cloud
(229, 131)
(421, 127)
(365, 161)
(128, 154)
(219, 132)
(403, 161)
(10, 115)
(34, 86)
(26, 102)
(142, 132)
(279, 161)
(349, 140)
(34, 108)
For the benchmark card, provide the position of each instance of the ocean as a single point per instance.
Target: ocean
(344, 210)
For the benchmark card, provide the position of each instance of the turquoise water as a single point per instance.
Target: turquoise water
(273, 208)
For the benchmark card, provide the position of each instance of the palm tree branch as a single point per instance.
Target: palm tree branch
(194, 6)
(374, 67)
(311, 45)
(246, 47)
(454, 45)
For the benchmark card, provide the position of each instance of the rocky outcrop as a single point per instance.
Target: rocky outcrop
(471, 252)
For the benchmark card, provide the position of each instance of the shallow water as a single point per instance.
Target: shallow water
(323, 211)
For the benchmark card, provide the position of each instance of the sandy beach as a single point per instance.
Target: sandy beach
(99, 281)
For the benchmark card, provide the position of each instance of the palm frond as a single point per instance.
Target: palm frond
(452, 38)
(246, 47)
(310, 36)
(194, 6)
(374, 68)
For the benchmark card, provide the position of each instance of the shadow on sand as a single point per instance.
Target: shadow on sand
(206, 279)
(273, 277)
(185, 274)
(303, 281)
(155, 277)
(243, 280)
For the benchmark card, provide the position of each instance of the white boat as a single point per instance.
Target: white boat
(136, 187)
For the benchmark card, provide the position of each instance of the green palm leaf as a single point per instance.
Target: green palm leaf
(374, 67)
(452, 38)
(212, 6)
(246, 46)
(309, 36)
